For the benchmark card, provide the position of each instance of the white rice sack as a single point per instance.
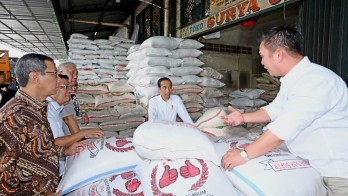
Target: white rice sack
(191, 62)
(101, 158)
(276, 173)
(77, 56)
(195, 115)
(193, 107)
(92, 89)
(120, 86)
(247, 92)
(130, 111)
(183, 177)
(92, 56)
(210, 92)
(161, 42)
(90, 125)
(210, 72)
(125, 45)
(122, 124)
(143, 81)
(78, 35)
(126, 183)
(191, 98)
(147, 52)
(186, 88)
(105, 47)
(103, 115)
(147, 92)
(82, 77)
(182, 71)
(211, 102)
(182, 53)
(120, 39)
(87, 73)
(107, 100)
(175, 80)
(120, 49)
(85, 98)
(133, 64)
(106, 80)
(91, 47)
(211, 82)
(160, 61)
(172, 140)
(211, 118)
(76, 46)
(191, 79)
(190, 44)
(154, 71)
(103, 72)
(134, 48)
(242, 102)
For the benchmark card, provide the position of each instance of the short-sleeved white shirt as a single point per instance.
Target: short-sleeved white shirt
(56, 124)
(310, 113)
(168, 110)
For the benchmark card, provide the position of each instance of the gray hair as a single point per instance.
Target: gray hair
(64, 65)
(30, 63)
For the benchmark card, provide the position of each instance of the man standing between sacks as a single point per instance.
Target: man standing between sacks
(166, 106)
(310, 112)
(28, 156)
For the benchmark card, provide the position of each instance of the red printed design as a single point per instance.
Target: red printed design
(127, 175)
(120, 143)
(169, 176)
(93, 149)
(189, 170)
(132, 185)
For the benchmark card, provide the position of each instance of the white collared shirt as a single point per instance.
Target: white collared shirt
(168, 110)
(310, 113)
(56, 124)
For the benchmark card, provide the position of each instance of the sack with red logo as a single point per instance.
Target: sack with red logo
(183, 177)
(275, 173)
(119, 184)
(100, 158)
(159, 139)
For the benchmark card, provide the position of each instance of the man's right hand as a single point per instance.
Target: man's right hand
(235, 118)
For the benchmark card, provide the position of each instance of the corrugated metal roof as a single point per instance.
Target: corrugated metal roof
(31, 26)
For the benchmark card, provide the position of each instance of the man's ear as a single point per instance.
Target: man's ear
(278, 55)
(34, 77)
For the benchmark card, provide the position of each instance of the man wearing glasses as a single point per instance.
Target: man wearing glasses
(167, 106)
(72, 110)
(28, 155)
(55, 106)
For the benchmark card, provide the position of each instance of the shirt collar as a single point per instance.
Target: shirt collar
(31, 100)
(294, 73)
(54, 104)
(161, 100)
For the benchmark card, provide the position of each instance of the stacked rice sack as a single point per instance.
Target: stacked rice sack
(103, 90)
(270, 85)
(176, 59)
(106, 167)
(179, 160)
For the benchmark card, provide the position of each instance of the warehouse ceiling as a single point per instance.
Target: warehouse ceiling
(44, 26)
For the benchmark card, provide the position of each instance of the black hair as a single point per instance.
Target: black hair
(30, 63)
(285, 37)
(163, 79)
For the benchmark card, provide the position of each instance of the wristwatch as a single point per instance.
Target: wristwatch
(244, 154)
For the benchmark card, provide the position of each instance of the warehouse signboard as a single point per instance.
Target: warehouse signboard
(231, 11)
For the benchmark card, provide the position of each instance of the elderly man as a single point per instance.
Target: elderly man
(55, 106)
(28, 155)
(310, 112)
(167, 106)
(72, 109)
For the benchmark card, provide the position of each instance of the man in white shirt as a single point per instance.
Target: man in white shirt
(166, 106)
(55, 106)
(310, 112)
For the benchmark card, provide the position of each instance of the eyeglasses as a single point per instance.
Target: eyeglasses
(52, 72)
(67, 87)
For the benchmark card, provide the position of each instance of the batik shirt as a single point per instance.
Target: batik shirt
(28, 156)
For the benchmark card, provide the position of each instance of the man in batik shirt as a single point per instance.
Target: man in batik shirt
(28, 155)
